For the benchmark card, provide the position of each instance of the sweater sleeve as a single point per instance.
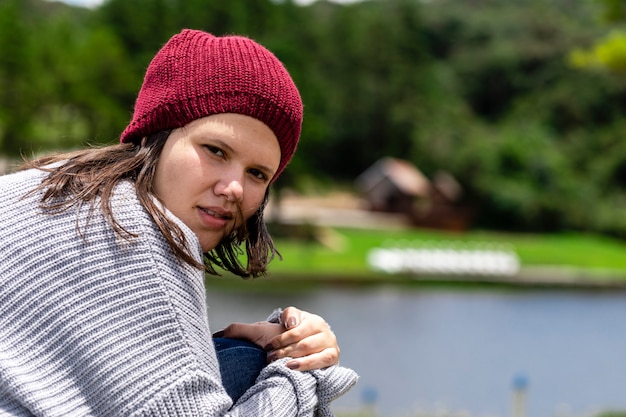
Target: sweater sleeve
(312, 391)
(278, 392)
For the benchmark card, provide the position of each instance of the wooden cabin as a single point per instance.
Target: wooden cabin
(397, 186)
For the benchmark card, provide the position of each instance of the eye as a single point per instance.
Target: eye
(258, 174)
(214, 150)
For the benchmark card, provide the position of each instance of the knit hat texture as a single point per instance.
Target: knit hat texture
(197, 74)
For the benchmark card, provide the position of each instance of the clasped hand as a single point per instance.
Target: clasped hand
(302, 336)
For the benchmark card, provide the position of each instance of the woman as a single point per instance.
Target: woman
(103, 253)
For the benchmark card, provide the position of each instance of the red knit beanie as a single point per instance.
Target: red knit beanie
(197, 74)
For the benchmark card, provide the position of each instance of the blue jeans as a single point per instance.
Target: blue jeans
(240, 364)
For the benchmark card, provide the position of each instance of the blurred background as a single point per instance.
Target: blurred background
(456, 206)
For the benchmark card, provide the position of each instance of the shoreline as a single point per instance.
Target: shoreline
(536, 277)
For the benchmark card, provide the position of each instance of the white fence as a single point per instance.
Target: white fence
(445, 258)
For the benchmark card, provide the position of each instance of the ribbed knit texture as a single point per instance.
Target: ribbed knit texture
(95, 326)
(197, 74)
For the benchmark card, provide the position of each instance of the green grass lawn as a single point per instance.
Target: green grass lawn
(345, 251)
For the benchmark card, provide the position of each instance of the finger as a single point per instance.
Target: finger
(311, 325)
(323, 359)
(294, 336)
(308, 328)
(243, 331)
(310, 346)
(291, 317)
(259, 333)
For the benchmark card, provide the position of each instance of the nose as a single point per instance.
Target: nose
(231, 189)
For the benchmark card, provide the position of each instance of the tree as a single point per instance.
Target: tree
(17, 101)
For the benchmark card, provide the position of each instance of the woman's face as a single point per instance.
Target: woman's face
(213, 170)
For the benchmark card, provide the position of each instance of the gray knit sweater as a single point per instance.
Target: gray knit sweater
(91, 325)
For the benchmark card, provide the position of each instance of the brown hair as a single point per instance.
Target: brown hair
(81, 176)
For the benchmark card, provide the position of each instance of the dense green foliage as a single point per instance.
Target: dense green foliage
(483, 89)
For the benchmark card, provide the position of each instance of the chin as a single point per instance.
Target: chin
(209, 246)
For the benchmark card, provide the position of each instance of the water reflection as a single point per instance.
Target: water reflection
(452, 351)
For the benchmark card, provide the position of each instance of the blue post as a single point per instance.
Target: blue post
(520, 386)
(369, 397)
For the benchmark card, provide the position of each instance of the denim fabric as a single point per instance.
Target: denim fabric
(240, 364)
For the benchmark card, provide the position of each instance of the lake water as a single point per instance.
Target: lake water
(458, 352)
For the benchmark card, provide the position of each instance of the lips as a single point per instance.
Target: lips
(218, 213)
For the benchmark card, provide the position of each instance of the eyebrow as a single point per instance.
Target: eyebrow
(267, 170)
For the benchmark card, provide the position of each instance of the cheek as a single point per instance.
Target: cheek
(252, 204)
(173, 174)
(170, 187)
(162, 180)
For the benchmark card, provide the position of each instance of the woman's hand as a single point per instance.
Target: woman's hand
(303, 336)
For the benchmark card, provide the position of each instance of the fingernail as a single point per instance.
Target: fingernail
(292, 322)
(271, 357)
(218, 334)
(293, 365)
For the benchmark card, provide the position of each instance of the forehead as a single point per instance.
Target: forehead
(231, 123)
(244, 134)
